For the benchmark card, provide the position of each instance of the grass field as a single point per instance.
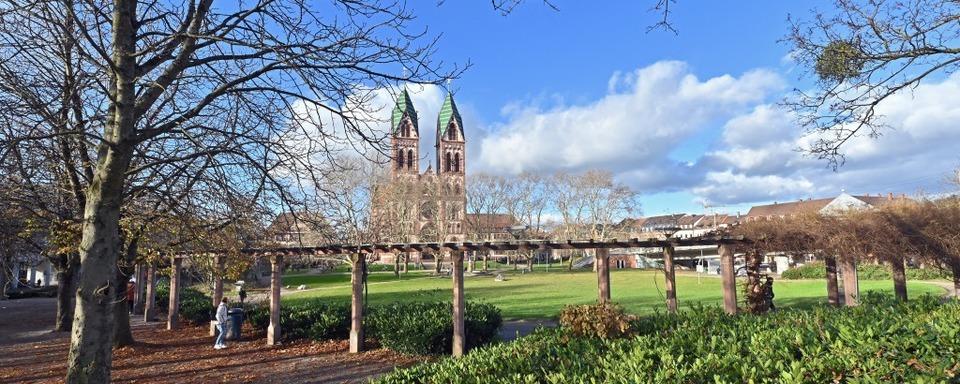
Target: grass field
(542, 295)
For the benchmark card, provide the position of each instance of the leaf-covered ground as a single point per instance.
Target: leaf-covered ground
(187, 356)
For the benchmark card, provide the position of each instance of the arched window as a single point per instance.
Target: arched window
(456, 162)
(452, 132)
(446, 163)
(409, 158)
(400, 160)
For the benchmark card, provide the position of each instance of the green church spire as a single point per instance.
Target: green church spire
(404, 106)
(448, 113)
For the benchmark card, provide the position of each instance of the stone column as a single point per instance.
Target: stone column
(602, 261)
(899, 278)
(459, 306)
(273, 330)
(138, 293)
(217, 289)
(833, 289)
(16, 276)
(729, 279)
(851, 284)
(173, 309)
(669, 276)
(47, 272)
(149, 303)
(358, 265)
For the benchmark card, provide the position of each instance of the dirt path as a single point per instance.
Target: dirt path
(184, 356)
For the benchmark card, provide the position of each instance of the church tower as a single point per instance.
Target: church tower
(451, 164)
(450, 140)
(405, 137)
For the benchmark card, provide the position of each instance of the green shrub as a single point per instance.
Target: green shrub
(880, 341)
(415, 328)
(195, 306)
(427, 328)
(817, 270)
(599, 320)
(307, 319)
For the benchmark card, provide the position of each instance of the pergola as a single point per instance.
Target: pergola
(602, 249)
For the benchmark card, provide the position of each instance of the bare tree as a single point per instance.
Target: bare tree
(862, 53)
(187, 98)
(486, 197)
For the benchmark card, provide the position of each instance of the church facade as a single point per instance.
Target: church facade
(425, 205)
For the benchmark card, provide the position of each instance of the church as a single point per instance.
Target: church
(427, 205)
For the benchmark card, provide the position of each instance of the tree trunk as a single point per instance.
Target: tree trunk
(438, 262)
(406, 262)
(67, 278)
(899, 278)
(91, 342)
(833, 288)
(486, 261)
(122, 335)
(756, 302)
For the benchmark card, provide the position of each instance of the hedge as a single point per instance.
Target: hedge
(427, 328)
(879, 341)
(817, 270)
(306, 319)
(414, 328)
(195, 306)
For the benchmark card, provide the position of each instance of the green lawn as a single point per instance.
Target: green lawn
(541, 295)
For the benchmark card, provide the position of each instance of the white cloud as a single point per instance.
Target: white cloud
(645, 115)
(722, 140)
(916, 153)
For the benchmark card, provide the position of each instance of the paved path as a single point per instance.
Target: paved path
(512, 329)
(27, 320)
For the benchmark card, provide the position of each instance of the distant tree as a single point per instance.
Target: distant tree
(861, 53)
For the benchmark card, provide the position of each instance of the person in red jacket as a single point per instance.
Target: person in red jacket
(131, 292)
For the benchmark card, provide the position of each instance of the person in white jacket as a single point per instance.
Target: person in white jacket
(221, 324)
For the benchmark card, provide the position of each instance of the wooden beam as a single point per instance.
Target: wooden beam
(358, 265)
(669, 276)
(603, 274)
(459, 306)
(273, 330)
(833, 289)
(729, 279)
(218, 261)
(150, 301)
(851, 283)
(173, 308)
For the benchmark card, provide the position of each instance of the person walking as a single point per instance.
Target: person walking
(221, 324)
(131, 294)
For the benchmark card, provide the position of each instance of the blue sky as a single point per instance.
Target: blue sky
(684, 119)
